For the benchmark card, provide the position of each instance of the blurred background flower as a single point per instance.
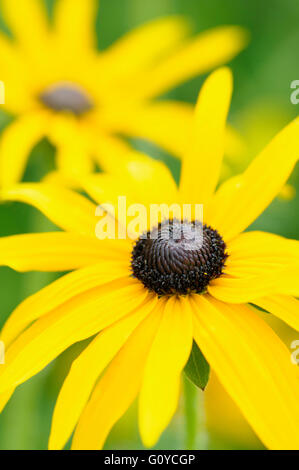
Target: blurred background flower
(58, 86)
(262, 75)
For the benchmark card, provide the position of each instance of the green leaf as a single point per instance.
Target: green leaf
(197, 368)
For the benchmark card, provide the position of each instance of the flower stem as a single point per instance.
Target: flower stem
(191, 414)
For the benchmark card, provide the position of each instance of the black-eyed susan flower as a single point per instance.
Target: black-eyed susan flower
(60, 87)
(146, 301)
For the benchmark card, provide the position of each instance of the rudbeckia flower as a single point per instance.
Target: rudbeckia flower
(148, 300)
(60, 87)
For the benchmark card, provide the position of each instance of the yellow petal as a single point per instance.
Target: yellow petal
(169, 353)
(4, 398)
(206, 51)
(167, 124)
(67, 209)
(58, 178)
(73, 157)
(141, 47)
(58, 293)
(241, 290)
(28, 21)
(10, 57)
(160, 198)
(85, 372)
(202, 163)
(259, 264)
(145, 172)
(135, 182)
(282, 306)
(74, 25)
(118, 387)
(77, 319)
(252, 268)
(223, 197)
(254, 366)
(57, 251)
(17, 142)
(110, 152)
(105, 188)
(255, 244)
(224, 419)
(246, 198)
(290, 282)
(259, 253)
(74, 161)
(12, 67)
(250, 288)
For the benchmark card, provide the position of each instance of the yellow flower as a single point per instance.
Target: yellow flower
(60, 87)
(146, 333)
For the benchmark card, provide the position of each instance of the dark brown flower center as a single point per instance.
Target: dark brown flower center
(66, 97)
(178, 257)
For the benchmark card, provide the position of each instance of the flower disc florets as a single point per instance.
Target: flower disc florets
(66, 97)
(178, 257)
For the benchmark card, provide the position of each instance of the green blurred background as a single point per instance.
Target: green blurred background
(261, 106)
